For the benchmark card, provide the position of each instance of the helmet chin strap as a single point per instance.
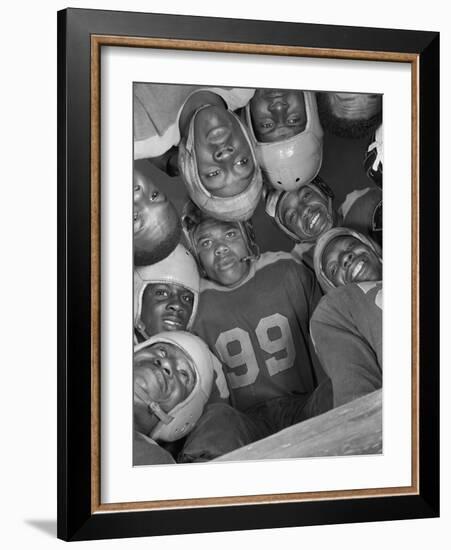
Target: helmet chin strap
(142, 330)
(153, 407)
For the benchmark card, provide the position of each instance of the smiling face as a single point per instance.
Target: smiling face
(221, 248)
(224, 158)
(162, 374)
(306, 212)
(166, 307)
(156, 226)
(347, 259)
(350, 115)
(277, 114)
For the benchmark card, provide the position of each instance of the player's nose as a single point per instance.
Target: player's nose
(175, 304)
(221, 248)
(166, 366)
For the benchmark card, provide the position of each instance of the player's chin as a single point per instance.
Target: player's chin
(231, 276)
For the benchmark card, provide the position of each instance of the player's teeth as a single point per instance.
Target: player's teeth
(357, 269)
(314, 220)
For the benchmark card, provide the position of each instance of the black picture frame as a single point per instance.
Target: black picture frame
(77, 520)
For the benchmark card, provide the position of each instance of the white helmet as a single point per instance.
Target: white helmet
(325, 239)
(178, 268)
(180, 420)
(273, 200)
(236, 208)
(290, 163)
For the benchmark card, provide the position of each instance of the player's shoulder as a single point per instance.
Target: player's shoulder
(284, 267)
(351, 296)
(268, 259)
(350, 200)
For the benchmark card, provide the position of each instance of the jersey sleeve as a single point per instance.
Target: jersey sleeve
(310, 286)
(346, 354)
(146, 451)
(221, 429)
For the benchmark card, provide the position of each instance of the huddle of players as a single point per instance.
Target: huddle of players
(224, 334)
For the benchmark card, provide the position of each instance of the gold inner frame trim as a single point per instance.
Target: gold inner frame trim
(97, 41)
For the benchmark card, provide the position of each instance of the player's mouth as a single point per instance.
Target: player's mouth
(173, 323)
(160, 377)
(225, 263)
(357, 269)
(313, 221)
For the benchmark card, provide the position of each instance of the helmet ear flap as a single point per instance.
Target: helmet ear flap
(249, 236)
(323, 187)
(141, 328)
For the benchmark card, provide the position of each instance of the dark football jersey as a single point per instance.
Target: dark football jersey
(346, 329)
(362, 211)
(260, 329)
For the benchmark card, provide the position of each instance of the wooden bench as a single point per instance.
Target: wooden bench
(352, 429)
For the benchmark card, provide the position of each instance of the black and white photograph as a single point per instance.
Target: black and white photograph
(257, 276)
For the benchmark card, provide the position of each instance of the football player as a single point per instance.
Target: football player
(350, 115)
(344, 256)
(216, 159)
(156, 224)
(254, 311)
(172, 380)
(166, 294)
(304, 215)
(346, 329)
(287, 136)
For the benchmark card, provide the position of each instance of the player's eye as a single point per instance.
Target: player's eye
(136, 188)
(206, 243)
(291, 215)
(154, 195)
(231, 234)
(293, 120)
(135, 216)
(161, 292)
(187, 298)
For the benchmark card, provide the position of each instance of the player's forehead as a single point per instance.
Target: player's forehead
(212, 228)
(339, 243)
(308, 189)
(170, 287)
